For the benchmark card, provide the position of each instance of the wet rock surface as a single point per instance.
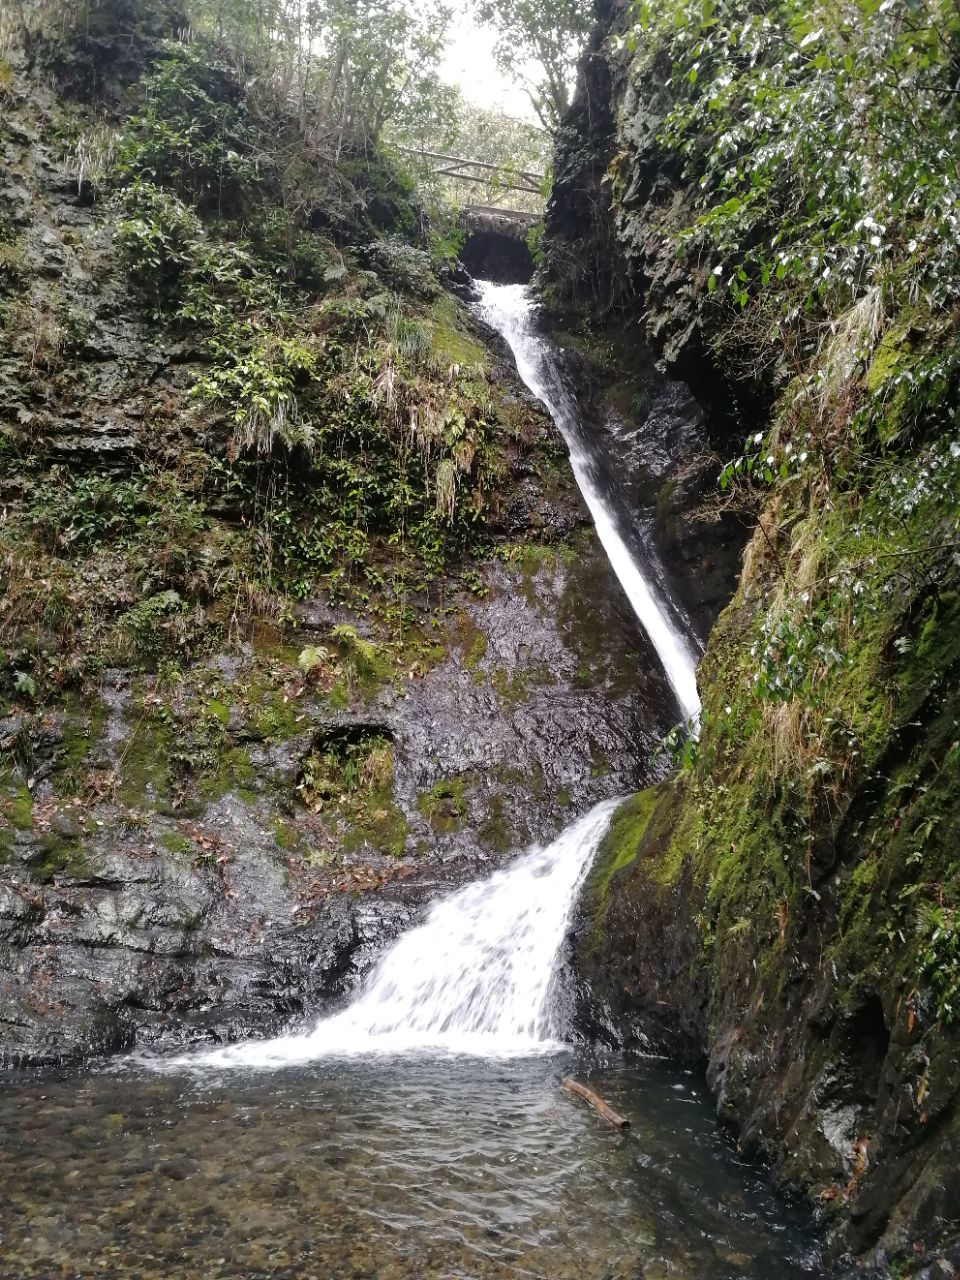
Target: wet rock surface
(655, 447)
(143, 916)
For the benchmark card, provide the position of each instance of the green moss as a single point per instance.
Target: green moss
(277, 718)
(348, 778)
(19, 809)
(599, 763)
(219, 710)
(515, 689)
(622, 360)
(339, 696)
(620, 845)
(143, 765)
(618, 849)
(473, 642)
(496, 832)
(936, 651)
(451, 341)
(287, 836)
(58, 857)
(445, 806)
(175, 843)
(379, 823)
(234, 773)
(891, 356)
(84, 719)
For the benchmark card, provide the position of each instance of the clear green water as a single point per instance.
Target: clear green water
(453, 1168)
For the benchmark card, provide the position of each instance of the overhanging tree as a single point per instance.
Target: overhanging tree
(538, 43)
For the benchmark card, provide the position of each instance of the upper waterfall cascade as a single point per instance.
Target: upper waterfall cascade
(476, 977)
(509, 310)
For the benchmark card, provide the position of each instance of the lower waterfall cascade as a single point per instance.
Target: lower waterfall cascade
(476, 977)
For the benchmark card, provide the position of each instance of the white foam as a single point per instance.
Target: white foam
(476, 977)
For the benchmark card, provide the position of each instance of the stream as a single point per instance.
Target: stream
(421, 1130)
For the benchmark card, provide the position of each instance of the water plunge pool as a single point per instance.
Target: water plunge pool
(431, 1167)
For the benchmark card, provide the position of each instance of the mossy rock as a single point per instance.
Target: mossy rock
(445, 806)
(451, 340)
(618, 849)
(496, 831)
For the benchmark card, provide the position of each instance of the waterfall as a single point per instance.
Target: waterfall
(476, 977)
(508, 309)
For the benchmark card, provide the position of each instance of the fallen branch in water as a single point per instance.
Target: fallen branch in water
(595, 1101)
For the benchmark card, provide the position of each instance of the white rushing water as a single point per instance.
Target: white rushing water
(476, 977)
(509, 310)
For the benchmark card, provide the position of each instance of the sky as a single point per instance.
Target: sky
(470, 64)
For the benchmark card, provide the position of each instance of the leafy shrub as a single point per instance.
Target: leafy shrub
(344, 764)
(157, 234)
(939, 928)
(157, 625)
(822, 148)
(191, 134)
(77, 513)
(404, 268)
(258, 383)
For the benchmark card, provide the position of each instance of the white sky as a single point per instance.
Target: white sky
(470, 64)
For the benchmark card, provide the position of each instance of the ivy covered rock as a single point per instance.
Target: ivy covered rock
(783, 183)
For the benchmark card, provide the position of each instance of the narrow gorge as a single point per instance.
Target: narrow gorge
(447, 648)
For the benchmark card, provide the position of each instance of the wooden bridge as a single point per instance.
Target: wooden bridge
(481, 173)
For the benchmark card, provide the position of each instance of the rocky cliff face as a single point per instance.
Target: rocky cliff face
(785, 907)
(261, 698)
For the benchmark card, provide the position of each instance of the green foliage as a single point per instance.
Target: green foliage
(157, 234)
(404, 268)
(446, 238)
(538, 44)
(681, 747)
(445, 805)
(349, 776)
(536, 243)
(618, 850)
(257, 380)
(822, 147)
(90, 47)
(334, 379)
(191, 134)
(361, 656)
(25, 684)
(75, 514)
(312, 658)
(939, 958)
(343, 436)
(158, 626)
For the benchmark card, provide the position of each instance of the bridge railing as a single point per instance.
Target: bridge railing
(497, 177)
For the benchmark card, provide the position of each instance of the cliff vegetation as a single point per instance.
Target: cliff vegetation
(782, 186)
